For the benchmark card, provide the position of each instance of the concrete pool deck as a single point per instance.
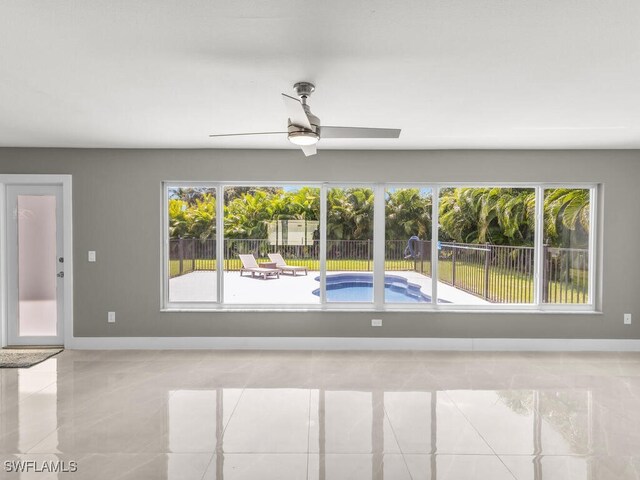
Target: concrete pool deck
(201, 287)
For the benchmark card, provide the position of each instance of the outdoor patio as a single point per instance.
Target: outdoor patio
(200, 286)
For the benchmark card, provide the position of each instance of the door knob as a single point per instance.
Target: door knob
(61, 259)
(60, 275)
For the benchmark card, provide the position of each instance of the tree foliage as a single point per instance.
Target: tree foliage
(350, 214)
(408, 213)
(488, 215)
(247, 210)
(192, 218)
(567, 214)
(501, 216)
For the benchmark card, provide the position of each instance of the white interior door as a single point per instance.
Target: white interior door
(35, 265)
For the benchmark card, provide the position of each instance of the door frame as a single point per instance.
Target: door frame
(67, 231)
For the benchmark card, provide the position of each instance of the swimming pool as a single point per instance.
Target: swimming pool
(358, 287)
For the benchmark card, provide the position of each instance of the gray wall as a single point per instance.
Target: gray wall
(116, 208)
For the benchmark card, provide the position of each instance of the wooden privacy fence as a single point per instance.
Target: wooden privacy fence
(496, 273)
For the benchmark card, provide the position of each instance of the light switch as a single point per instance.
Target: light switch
(92, 256)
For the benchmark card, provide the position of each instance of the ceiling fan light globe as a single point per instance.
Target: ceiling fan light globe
(304, 138)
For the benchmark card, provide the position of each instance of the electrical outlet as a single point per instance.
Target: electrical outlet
(92, 256)
(376, 322)
(627, 319)
(111, 317)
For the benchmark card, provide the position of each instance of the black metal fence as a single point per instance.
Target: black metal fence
(504, 274)
(190, 254)
(496, 273)
(566, 275)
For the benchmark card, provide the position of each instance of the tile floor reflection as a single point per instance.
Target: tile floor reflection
(324, 415)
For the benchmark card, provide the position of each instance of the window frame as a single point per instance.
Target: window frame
(378, 304)
(434, 189)
(539, 221)
(323, 238)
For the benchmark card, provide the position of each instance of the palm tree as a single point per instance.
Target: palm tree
(408, 212)
(179, 221)
(246, 216)
(361, 201)
(203, 218)
(459, 214)
(338, 215)
(515, 210)
(305, 203)
(231, 193)
(567, 213)
(190, 195)
(488, 215)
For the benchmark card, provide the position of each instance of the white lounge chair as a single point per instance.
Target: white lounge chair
(249, 264)
(282, 265)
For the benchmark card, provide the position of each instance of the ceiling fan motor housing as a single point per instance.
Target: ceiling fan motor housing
(304, 89)
(301, 136)
(297, 134)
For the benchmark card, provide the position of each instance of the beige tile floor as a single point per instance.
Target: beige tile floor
(324, 415)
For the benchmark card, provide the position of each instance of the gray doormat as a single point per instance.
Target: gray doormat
(25, 357)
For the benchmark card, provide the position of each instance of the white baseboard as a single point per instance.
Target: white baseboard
(341, 343)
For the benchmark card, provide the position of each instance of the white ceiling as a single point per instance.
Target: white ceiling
(450, 73)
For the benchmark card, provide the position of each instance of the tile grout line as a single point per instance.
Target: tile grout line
(28, 451)
(37, 391)
(309, 435)
(224, 429)
(404, 459)
(481, 436)
(204, 474)
(70, 421)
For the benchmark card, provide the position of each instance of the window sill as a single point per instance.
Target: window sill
(360, 309)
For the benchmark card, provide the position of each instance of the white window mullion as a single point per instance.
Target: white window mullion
(378, 246)
(323, 244)
(592, 265)
(166, 265)
(538, 250)
(220, 242)
(435, 220)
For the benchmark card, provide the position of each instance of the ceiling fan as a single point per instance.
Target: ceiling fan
(304, 127)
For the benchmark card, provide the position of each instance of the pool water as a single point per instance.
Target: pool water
(365, 294)
(358, 287)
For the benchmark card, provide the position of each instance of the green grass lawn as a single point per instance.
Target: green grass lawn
(504, 286)
(511, 287)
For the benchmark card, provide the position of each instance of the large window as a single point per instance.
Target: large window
(379, 247)
(191, 232)
(271, 240)
(350, 244)
(567, 226)
(407, 252)
(486, 245)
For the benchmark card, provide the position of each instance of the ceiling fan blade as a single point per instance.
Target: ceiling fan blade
(358, 132)
(239, 134)
(296, 112)
(309, 150)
